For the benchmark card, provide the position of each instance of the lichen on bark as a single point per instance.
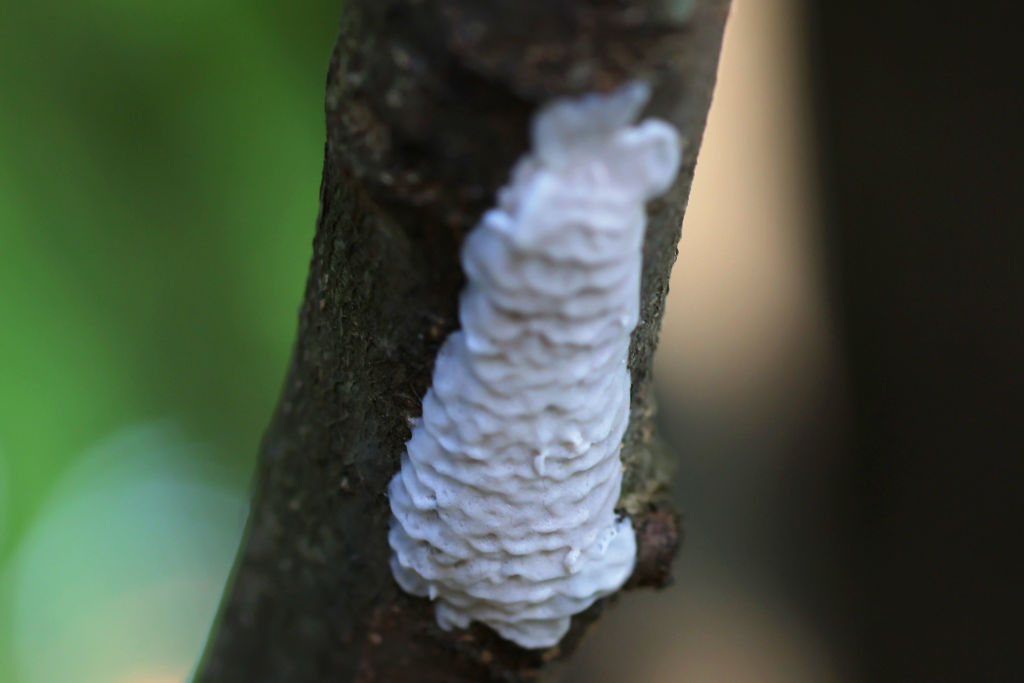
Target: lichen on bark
(428, 106)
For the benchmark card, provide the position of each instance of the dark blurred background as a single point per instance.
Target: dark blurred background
(840, 367)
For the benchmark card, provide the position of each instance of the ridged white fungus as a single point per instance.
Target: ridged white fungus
(503, 510)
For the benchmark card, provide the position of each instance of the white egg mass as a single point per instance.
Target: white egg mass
(504, 507)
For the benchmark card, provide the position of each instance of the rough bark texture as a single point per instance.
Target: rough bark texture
(428, 106)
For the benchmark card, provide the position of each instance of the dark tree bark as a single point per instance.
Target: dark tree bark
(428, 106)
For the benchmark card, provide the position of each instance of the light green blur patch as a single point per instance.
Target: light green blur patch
(4, 496)
(118, 579)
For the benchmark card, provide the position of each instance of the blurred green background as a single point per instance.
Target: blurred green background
(159, 167)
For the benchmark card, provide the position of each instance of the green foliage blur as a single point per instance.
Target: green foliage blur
(159, 170)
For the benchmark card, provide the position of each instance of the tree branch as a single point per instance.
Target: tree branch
(428, 106)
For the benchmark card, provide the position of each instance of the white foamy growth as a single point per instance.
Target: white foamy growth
(504, 505)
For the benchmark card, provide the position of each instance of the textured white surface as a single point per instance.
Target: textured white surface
(504, 504)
